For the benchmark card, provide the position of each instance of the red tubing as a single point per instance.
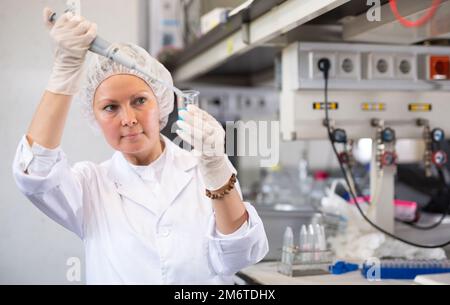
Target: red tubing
(421, 21)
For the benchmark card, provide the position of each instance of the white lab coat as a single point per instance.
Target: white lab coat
(127, 241)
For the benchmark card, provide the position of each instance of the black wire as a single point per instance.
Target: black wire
(408, 223)
(429, 227)
(444, 214)
(351, 189)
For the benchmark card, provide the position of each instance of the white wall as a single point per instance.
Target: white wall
(33, 249)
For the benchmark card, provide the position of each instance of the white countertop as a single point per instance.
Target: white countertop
(266, 273)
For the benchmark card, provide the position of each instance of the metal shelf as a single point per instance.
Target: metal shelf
(262, 30)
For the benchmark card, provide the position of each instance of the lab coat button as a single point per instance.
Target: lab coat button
(164, 232)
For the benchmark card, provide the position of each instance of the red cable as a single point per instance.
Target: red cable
(410, 24)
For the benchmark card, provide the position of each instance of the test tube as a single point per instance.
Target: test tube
(320, 243)
(303, 243)
(311, 243)
(188, 97)
(323, 238)
(288, 244)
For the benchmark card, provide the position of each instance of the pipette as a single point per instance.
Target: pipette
(103, 47)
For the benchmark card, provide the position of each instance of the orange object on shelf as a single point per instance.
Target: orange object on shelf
(439, 67)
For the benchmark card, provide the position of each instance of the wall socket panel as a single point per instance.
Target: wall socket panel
(348, 65)
(362, 66)
(405, 66)
(379, 65)
(315, 57)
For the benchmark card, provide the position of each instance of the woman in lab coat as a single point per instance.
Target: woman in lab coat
(143, 215)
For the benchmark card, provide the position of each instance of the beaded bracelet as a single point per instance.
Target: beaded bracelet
(227, 190)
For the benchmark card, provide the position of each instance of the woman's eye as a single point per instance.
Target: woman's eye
(109, 108)
(140, 100)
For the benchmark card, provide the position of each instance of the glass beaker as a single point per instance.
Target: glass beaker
(188, 97)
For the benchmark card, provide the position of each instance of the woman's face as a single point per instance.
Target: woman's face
(127, 112)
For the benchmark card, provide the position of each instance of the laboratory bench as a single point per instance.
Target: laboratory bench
(276, 220)
(265, 273)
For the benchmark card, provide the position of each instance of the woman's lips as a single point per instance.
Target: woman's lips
(132, 135)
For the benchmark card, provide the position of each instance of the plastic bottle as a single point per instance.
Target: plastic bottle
(318, 188)
(304, 178)
(277, 187)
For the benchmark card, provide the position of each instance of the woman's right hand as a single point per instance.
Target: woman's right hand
(72, 37)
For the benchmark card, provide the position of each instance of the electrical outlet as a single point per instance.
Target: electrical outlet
(348, 65)
(380, 66)
(405, 66)
(314, 58)
(438, 67)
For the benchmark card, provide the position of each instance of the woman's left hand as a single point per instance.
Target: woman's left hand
(205, 134)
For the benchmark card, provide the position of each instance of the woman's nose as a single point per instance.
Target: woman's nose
(128, 117)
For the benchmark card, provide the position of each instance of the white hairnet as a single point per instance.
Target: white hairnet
(100, 68)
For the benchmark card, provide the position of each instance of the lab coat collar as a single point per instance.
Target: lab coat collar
(176, 175)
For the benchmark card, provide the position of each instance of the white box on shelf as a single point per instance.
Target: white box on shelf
(213, 18)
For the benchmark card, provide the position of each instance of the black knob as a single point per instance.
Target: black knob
(339, 136)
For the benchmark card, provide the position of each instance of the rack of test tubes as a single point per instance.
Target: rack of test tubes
(309, 257)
